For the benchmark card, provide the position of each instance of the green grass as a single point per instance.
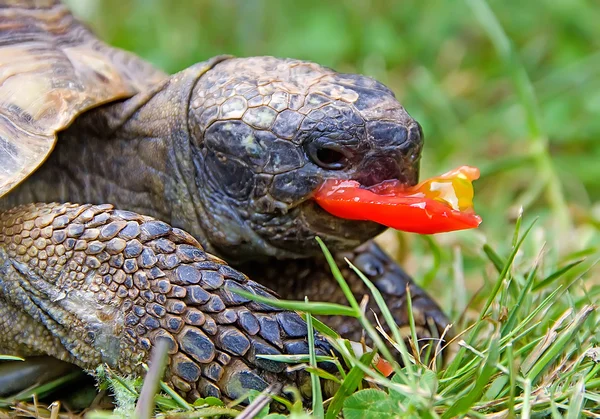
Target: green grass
(512, 87)
(529, 354)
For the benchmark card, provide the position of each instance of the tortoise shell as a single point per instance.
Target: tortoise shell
(52, 69)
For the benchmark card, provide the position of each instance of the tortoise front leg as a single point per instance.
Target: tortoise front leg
(90, 285)
(313, 278)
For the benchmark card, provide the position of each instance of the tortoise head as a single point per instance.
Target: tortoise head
(269, 131)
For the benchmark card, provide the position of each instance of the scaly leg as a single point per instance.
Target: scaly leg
(92, 285)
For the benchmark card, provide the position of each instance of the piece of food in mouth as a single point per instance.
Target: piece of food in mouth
(437, 205)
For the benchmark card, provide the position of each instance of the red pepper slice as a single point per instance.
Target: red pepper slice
(437, 205)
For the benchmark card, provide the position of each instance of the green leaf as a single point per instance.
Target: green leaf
(576, 405)
(496, 387)
(429, 381)
(370, 403)
(208, 401)
(348, 387)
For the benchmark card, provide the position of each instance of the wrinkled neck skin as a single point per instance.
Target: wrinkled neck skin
(138, 155)
(225, 230)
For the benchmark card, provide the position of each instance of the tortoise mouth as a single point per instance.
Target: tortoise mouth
(327, 225)
(289, 229)
(295, 232)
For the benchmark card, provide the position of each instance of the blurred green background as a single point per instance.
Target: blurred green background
(529, 120)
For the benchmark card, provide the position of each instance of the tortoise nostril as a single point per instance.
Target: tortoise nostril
(415, 133)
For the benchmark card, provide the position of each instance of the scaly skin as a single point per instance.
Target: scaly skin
(312, 278)
(91, 285)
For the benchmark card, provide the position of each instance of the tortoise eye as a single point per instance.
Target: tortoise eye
(330, 159)
(327, 156)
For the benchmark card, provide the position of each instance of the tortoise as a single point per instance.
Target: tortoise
(134, 203)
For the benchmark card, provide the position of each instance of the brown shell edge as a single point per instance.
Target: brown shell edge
(51, 70)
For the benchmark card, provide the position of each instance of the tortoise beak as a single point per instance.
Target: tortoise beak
(380, 168)
(395, 154)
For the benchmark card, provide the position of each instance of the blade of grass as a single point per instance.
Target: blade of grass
(322, 327)
(176, 397)
(541, 306)
(44, 389)
(505, 270)
(544, 342)
(317, 395)
(526, 407)
(555, 275)
(118, 379)
(389, 318)
(452, 368)
(411, 322)
(316, 308)
(558, 345)
(464, 404)
(323, 374)
(337, 274)
(512, 377)
(517, 228)
(514, 311)
(11, 358)
(295, 359)
(371, 331)
(256, 406)
(158, 362)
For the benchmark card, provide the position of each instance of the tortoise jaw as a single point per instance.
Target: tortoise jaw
(293, 235)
